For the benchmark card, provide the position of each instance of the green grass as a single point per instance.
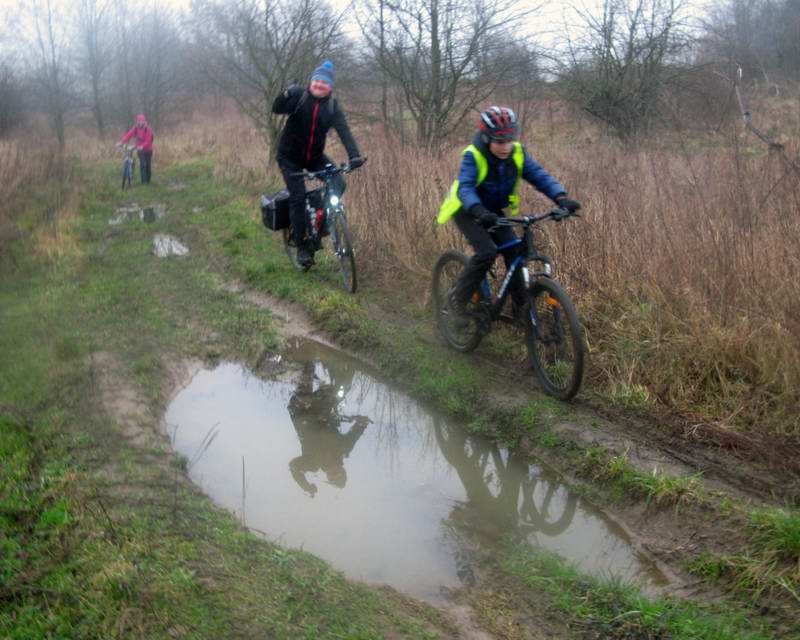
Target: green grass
(777, 532)
(143, 563)
(770, 562)
(656, 487)
(610, 609)
(98, 538)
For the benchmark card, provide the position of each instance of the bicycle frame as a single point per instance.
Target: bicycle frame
(530, 254)
(128, 166)
(331, 201)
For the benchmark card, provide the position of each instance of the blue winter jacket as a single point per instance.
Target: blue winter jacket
(493, 192)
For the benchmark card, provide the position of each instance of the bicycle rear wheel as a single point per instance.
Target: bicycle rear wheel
(555, 340)
(461, 334)
(291, 248)
(343, 248)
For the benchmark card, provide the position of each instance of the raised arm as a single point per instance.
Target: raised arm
(286, 101)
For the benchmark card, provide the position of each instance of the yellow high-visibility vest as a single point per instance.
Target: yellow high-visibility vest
(452, 203)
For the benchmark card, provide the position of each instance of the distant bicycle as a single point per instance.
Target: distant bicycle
(553, 334)
(326, 217)
(128, 165)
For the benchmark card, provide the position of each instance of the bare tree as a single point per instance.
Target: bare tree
(95, 57)
(50, 60)
(122, 60)
(521, 82)
(10, 100)
(438, 54)
(258, 46)
(157, 75)
(762, 37)
(628, 56)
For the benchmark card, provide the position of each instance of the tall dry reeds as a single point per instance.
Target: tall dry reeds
(683, 266)
(30, 163)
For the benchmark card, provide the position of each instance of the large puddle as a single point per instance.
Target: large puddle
(331, 458)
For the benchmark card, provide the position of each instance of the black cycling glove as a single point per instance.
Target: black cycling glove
(356, 162)
(484, 217)
(292, 90)
(565, 203)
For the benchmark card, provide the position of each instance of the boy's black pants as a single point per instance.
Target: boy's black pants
(485, 244)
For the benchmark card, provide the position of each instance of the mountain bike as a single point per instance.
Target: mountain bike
(128, 165)
(553, 333)
(326, 218)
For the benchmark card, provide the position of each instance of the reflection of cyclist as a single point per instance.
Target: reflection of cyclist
(315, 414)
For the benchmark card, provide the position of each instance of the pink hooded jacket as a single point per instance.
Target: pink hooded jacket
(143, 133)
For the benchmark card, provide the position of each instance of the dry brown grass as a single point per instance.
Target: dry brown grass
(30, 164)
(684, 265)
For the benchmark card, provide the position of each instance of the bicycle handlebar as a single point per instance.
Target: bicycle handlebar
(327, 171)
(556, 213)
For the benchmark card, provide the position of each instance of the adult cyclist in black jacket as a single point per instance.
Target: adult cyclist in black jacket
(312, 111)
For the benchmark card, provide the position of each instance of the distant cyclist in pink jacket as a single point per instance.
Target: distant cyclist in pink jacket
(144, 143)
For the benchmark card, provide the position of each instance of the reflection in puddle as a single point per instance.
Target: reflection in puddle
(346, 467)
(164, 246)
(135, 212)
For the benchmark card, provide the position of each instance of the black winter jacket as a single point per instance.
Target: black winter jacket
(302, 141)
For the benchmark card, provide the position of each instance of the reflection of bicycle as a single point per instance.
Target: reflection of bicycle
(552, 330)
(500, 491)
(326, 216)
(128, 165)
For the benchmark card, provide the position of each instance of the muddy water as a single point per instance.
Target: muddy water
(329, 457)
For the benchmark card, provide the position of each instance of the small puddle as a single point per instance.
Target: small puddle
(165, 246)
(331, 458)
(135, 212)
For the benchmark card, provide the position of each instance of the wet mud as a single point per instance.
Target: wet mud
(318, 451)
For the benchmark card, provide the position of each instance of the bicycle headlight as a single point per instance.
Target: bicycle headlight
(548, 270)
(334, 200)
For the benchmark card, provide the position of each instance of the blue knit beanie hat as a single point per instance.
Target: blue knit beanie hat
(324, 72)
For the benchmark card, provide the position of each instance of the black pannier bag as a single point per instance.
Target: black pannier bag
(275, 210)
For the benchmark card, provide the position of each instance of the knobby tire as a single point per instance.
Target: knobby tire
(555, 347)
(343, 247)
(445, 273)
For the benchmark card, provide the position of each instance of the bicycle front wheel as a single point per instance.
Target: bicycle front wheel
(555, 340)
(462, 334)
(343, 248)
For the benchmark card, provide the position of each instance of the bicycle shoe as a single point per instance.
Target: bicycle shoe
(304, 257)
